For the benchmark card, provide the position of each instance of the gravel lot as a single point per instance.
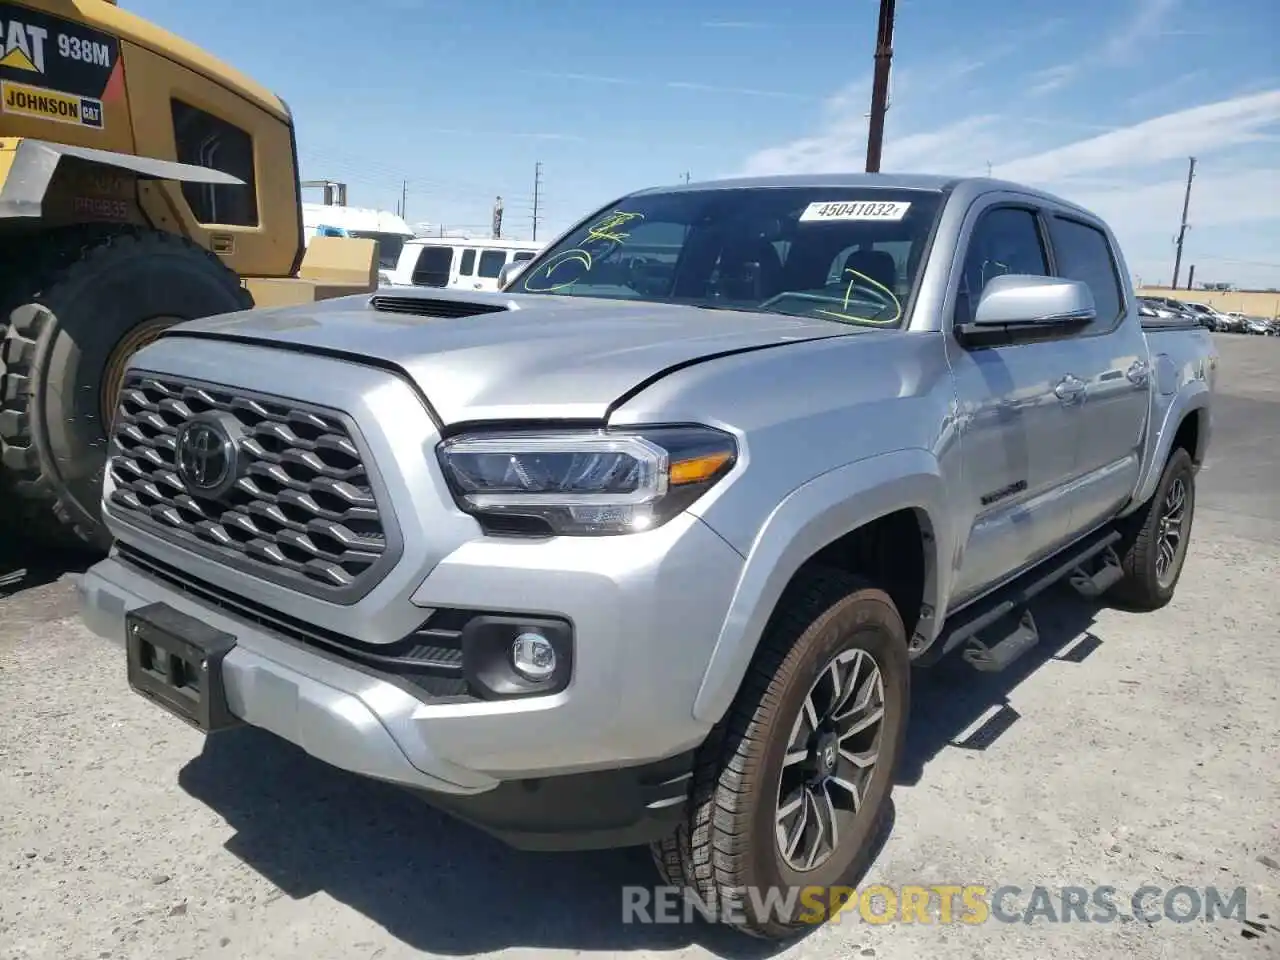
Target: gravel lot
(1127, 750)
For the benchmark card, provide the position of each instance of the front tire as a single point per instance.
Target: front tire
(1155, 538)
(792, 786)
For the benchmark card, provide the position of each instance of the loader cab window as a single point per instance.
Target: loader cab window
(204, 140)
(433, 267)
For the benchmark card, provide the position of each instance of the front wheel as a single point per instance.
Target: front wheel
(792, 786)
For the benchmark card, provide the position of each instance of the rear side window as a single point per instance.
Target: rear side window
(492, 262)
(432, 268)
(1083, 253)
(204, 140)
(468, 263)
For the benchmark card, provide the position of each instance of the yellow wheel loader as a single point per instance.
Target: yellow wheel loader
(142, 183)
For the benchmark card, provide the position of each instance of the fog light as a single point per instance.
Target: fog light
(533, 656)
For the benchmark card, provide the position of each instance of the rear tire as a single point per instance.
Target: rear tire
(67, 309)
(768, 766)
(1156, 537)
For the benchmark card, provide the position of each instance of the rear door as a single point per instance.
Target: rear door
(1112, 359)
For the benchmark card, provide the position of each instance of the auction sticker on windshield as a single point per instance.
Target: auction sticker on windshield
(855, 210)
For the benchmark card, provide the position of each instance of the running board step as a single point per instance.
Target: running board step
(966, 623)
(1106, 574)
(992, 658)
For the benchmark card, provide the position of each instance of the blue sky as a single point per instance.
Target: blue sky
(1101, 101)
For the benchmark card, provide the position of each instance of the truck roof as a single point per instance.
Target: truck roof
(882, 181)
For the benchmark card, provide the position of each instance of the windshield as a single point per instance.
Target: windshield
(852, 255)
(389, 246)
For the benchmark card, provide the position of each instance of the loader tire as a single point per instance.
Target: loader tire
(74, 306)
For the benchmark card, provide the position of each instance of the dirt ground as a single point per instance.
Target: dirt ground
(1127, 750)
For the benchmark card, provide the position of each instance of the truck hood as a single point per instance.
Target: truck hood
(530, 356)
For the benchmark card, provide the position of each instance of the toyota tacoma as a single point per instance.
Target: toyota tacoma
(643, 548)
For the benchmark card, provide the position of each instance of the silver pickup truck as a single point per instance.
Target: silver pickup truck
(642, 549)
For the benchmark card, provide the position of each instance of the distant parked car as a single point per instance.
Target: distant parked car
(1207, 316)
(1261, 327)
(1160, 308)
(1231, 323)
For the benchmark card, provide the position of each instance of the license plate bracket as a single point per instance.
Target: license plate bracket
(175, 661)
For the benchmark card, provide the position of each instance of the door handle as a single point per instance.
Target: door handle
(1069, 389)
(1138, 373)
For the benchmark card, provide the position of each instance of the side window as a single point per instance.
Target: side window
(523, 256)
(492, 262)
(1082, 253)
(468, 264)
(1006, 240)
(204, 140)
(432, 268)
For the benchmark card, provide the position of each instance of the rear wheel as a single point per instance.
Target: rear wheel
(74, 313)
(792, 786)
(1155, 538)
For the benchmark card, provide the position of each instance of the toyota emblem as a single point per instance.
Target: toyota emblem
(206, 457)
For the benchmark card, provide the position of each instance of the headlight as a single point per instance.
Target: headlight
(589, 482)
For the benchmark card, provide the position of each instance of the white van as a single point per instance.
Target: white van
(389, 230)
(458, 262)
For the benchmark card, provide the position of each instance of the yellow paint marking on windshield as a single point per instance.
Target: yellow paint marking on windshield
(609, 227)
(876, 287)
(569, 256)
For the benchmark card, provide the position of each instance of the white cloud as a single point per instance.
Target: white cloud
(1211, 128)
(1052, 78)
(1133, 176)
(1146, 20)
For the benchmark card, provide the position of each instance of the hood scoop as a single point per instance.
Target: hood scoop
(434, 307)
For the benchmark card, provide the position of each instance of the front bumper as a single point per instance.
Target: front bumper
(646, 611)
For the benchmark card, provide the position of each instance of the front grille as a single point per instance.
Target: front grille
(302, 508)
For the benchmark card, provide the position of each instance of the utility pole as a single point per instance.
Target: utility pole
(686, 176)
(880, 86)
(1182, 230)
(1191, 277)
(404, 197)
(537, 193)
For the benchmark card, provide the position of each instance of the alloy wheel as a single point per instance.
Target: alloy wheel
(830, 759)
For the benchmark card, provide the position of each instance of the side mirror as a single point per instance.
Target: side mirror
(1018, 307)
(509, 272)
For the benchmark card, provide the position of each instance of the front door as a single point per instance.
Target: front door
(1017, 435)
